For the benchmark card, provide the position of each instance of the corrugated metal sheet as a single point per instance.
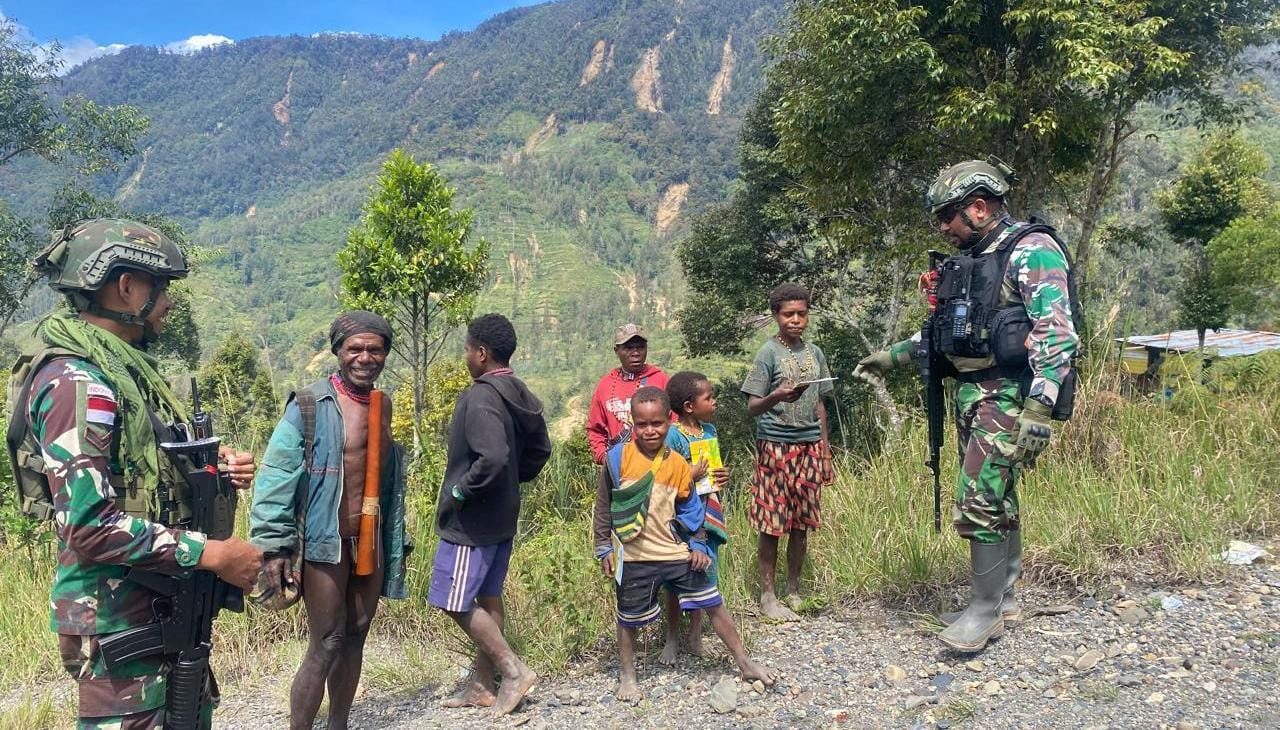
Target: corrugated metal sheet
(1224, 342)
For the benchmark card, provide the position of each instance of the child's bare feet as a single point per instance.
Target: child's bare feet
(670, 651)
(752, 671)
(471, 694)
(628, 690)
(794, 602)
(696, 647)
(513, 689)
(772, 609)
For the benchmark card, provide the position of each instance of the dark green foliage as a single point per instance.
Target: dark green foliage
(18, 244)
(238, 391)
(1223, 184)
(93, 136)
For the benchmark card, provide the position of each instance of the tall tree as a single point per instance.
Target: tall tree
(878, 94)
(96, 137)
(766, 234)
(85, 136)
(1223, 184)
(411, 259)
(1246, 267)
(237, 390)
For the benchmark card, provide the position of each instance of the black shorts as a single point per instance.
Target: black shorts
(641, 581)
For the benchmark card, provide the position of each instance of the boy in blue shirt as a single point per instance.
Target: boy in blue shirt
(693, 436)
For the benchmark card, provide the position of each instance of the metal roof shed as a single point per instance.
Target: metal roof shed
(1222, 343)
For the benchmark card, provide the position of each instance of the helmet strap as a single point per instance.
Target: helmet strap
(149, 332)
(975, 234)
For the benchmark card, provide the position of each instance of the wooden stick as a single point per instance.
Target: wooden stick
(366, 550)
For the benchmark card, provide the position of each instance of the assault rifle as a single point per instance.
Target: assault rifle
(185, 607)
(932, 367)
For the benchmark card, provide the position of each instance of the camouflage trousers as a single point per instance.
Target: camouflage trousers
(131, 697)
(986, 506)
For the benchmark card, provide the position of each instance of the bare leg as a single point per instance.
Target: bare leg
(628, 689)
(486, 634)
(722, 622)
(695, 633)
(481, 688)
(324, 595)
(672, 648)
(767, 556)
(344, 677)
(797, 548)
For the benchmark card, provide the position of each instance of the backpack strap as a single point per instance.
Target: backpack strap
(306, 400)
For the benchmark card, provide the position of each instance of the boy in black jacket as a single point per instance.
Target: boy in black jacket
(497, 439)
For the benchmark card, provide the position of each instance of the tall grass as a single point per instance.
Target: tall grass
(1172, 481)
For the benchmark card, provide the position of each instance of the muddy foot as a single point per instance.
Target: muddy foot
(752, 671)
(628, 690)
(670, 651)
(771, 609)
(513, 690)
(698, 649)
(470, 695)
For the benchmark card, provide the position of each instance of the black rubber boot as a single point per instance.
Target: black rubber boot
(981, 621)
(1009, 609)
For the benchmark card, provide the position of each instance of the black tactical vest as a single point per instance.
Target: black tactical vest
(972, 321)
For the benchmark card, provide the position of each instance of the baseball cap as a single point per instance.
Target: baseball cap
(628, 332)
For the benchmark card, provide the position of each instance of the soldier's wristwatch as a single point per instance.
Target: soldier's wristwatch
(1043, 400)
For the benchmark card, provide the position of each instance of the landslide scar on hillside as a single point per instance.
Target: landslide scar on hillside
(720, 86)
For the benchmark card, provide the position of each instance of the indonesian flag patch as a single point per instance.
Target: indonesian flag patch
(100, 407)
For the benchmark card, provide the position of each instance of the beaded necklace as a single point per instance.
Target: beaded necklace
(341, 387)
(623, 375)
(810, 367)
(690, 435)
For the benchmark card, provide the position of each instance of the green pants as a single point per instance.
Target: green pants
(130, 697)
(986, 506)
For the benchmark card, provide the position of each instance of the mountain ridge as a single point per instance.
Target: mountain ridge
(584, 135)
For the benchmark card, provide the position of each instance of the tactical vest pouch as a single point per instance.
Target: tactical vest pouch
(1010, 328)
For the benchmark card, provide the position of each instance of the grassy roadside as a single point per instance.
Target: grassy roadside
(1172, 481)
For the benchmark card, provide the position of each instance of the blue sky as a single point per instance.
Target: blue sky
(88, 28)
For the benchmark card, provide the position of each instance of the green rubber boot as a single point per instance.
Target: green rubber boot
(981, 621)
(1009, 609)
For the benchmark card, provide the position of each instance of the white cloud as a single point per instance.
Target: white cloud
(196, 43)
(72, 53)
(80, 49)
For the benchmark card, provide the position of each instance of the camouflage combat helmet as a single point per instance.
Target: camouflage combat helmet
(961, 180)
(82, 257)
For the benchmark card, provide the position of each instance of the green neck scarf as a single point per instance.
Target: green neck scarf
(137, 384)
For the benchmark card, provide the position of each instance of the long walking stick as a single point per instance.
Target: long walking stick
(365, 549)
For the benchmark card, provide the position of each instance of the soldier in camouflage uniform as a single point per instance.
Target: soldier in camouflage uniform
(111, 489)
(1002, 415)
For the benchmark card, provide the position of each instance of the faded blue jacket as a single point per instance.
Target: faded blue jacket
(276, 497)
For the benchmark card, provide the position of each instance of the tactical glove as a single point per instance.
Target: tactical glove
(1033, 429)
(875, 365)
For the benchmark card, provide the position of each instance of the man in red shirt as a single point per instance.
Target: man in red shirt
(609, 418)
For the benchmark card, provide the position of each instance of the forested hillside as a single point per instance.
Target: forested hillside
(584, 134)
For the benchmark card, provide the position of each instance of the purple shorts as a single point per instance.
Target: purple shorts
(463, 572)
